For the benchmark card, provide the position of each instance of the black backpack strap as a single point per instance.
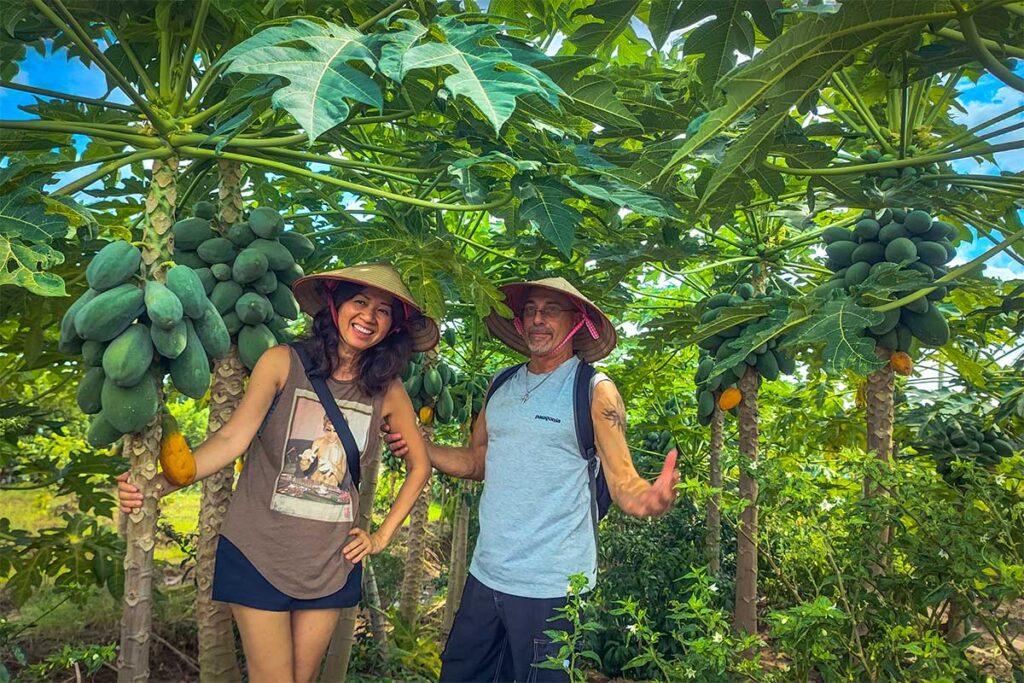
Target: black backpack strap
(334, 414)
(581, 404)
(503, 376)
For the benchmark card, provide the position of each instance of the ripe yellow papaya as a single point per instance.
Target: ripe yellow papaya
(176, 460)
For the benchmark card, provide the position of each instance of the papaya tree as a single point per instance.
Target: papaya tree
(217, 659)
(142, 450)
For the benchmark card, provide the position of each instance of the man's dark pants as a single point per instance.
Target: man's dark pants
(497, 637)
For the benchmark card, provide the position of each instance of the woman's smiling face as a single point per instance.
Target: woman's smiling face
(366, 318)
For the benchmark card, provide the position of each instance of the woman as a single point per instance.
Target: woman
(288, 559)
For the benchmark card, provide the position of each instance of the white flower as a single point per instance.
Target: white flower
(631, 628)
(713, 587)
(690, 673)
(717, 638)
(826, 505)
(943, 554)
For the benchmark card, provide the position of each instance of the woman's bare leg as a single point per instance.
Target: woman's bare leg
(267, 642)
(311, 634)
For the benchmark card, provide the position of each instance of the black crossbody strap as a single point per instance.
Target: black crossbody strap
(499, 379)
(334, 414)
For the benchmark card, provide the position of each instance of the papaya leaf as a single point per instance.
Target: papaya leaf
(318, 61)
(610, 19)
(625, 197)
(395, 45)
(26, 231)
(594, 97)
(730, 32)
(544, 206)
(838, 327)
(485, 73)
(798, 62)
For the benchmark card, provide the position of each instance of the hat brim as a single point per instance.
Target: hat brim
(588, 348)
(311, 295)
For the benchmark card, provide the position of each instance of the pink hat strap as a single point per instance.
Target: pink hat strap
(329, 287)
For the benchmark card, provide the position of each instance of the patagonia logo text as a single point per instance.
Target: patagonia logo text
(547, 418)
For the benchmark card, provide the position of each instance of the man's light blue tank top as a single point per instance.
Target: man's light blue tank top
(536, 527)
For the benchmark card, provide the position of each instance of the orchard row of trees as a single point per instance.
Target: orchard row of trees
(764, 190)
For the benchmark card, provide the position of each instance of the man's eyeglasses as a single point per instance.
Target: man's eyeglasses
(549, 312)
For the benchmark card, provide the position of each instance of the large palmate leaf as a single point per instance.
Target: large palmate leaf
(319, 60)
(731, 31)
(26, 231)
(594, 97)
(793, 66)
(624, 197)
(838, 329)
(544, 206)
(486, 72)
(606, 19)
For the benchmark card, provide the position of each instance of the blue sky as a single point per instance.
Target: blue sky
(988, 98)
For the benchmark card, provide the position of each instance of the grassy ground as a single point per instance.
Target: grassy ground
(34, 510)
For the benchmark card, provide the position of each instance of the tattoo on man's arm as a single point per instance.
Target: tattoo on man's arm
(617, 415)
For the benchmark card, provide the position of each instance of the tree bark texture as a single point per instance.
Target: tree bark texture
(340, 650)
(143, 452)
(412, 579)
(457, 566)
(713, 542)
(879, 407)
(745, 617)
(217, 659)
(371, 596)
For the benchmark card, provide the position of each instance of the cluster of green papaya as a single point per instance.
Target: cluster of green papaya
(130, 331)
(967, 439)
(911, 239)
(247, 274)
(429, 385)
(767, 359)
(887, 178)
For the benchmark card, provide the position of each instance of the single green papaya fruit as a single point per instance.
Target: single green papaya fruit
(190, 371)
(189, 233)
(162, 305)
(110, 313)
(129, 409)
(127, 359)
(89, 392)
(170, 343)
(113, 265)
(253, 342)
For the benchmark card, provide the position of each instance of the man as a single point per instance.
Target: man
(536, 509)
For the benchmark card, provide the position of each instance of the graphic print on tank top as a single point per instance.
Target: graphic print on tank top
(314, 482)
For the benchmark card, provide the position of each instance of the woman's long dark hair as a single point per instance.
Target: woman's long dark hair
(377, 366)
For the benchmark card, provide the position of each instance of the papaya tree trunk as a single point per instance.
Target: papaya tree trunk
(457, 567)
(879, 407)
(217, 659)
(745, 616)
(371, 596)
(412, 579)
(340, 650)
(713, 541)
(143, 452)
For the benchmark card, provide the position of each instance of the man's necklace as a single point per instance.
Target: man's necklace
(526, 382)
